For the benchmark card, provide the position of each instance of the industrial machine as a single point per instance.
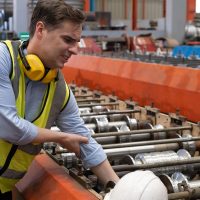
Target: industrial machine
(134, 136)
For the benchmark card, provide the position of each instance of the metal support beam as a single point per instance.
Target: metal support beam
(134, 14)
(20, 16)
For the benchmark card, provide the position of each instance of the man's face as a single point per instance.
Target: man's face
(57, 45)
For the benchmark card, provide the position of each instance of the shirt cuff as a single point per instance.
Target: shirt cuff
(95, 158)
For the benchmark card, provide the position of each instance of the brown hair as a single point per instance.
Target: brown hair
(53, 12)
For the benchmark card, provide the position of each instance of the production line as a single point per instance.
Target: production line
(134, 71)
(136, 138)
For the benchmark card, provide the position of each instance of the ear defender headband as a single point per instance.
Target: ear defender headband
(34, 68)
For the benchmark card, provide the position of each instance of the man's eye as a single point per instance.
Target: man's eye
(69, 40)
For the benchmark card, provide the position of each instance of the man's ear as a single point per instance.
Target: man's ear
(39, 29)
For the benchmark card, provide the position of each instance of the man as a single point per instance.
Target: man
(34, 96)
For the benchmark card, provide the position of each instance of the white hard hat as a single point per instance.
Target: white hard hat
(138, 185)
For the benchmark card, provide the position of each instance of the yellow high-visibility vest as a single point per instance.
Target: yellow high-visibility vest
(55, 99)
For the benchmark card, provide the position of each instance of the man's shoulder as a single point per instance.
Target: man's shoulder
(3, 48)
(2, 45)
(5, 60)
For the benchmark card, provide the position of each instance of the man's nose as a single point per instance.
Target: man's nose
(74, 49)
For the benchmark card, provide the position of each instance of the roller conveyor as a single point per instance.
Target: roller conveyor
(134, 138)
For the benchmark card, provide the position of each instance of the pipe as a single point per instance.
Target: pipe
(110, 112)
(142, 143)
(188, 169)
(115, 139)
(192, 160)
(83, 95)
(99, 104)
(194, 194)
(140, 149)
(79, 101)
(143, 131)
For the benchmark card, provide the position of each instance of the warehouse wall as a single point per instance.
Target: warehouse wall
(176, 19)
(122, 12)
(153, 8)
(20, 20)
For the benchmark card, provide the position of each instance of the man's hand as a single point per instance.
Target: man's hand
(69, 141)
(72, 142)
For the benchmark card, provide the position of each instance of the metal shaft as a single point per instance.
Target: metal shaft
(90, 100)
(141, 149)
(194, 184)
(187, 169)
(142, 143)
(110, 124)
(194, 194)
(114, 139)
(99, 104)
(180, 128)
(110, 112)
(193, 160)
(83, 95)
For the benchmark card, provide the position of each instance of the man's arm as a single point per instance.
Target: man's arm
(105, 172)
(13, 128)
(66, 140)
(92, 153)
(18, 130)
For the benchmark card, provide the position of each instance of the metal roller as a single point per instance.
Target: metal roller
(178, 182)
(101, 124)
(110, 117)
(157, 157)
(190, 194)
(84, 110)
(151, 131)
(81, 101)
(92, 109)
(110, 112)
(99, 104)
(189, 165)
(117, 152)
(184, 142)
(129, 138)
(140, 149)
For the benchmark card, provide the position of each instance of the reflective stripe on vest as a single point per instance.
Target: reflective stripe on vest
(30, 148)
(12, 174)
(56, 97)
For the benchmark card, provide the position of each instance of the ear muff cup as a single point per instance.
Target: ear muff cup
(52, 74)
(37, 72)
(34, 68)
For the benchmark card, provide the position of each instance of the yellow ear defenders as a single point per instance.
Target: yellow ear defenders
(34, 68)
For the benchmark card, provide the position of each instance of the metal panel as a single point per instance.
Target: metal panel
(7, 6)
(153, 9)
(75, 3)
(98, 5)
(116, 7)
(129, 9)
(139, 7)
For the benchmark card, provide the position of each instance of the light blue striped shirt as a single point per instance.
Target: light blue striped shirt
(21, 131)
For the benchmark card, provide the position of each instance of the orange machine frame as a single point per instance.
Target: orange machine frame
(169, 88)
(46, 180)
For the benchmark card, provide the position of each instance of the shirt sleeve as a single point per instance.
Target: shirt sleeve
(13, 129)
(70, 121)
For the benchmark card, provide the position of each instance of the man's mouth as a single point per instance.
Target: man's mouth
(66, 58)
